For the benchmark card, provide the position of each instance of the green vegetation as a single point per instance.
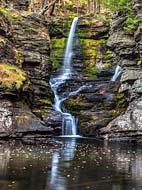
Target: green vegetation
(74, 104)
(92, 55)
(121, 101)
(116, 5)
(139, 62)
(131, 21)
(42, 112)
(11, 77)
(7, 13)
(31, 30)
(60, 28)
(57, 51)
(45, 101)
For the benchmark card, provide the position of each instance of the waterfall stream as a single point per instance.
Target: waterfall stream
(68, 121)
(118, 70)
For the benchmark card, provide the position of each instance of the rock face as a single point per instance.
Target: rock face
(16, 121)
(127, 47)
(92, 71)
(108, 109)
(32, 40)
(25, 94)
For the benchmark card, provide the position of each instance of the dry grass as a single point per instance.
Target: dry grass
(11, 77)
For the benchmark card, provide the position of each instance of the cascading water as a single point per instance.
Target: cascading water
(68, 121)
(118, 70)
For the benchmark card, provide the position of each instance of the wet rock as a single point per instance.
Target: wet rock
(126, 125)
(91, 121)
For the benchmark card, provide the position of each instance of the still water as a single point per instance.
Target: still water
(71, 164)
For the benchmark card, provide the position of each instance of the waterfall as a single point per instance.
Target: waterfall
(68, 121)
(118, 70)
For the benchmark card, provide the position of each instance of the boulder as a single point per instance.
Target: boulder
(16, 120)
(128, 124)
(131, 75)
(120, 40)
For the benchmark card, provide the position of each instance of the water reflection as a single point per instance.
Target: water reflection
(60, 160)
(72, 164)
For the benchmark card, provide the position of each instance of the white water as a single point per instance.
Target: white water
(68, 121)
(118, 70)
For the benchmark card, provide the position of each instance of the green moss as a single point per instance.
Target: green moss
(46, 101)
(131, 22)
(139, 62)
(11, 77)
(92, 55)
(41, 112)
(85, 128)
(120, 96)
(90, 71)
(107, 65)
(61, 27)
(7, 13)
(56, 30)
(121, 100)
(57, 51)
(74, 105)
(31, 30)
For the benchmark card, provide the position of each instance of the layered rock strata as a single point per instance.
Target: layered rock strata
(25, 69)
(127, 48)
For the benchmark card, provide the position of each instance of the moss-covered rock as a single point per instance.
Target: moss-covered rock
(11, 77)
(92, 55)
(57, 51)
(7, 13)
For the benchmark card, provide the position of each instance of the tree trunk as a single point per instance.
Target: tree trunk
(89, 6)
(94, 6)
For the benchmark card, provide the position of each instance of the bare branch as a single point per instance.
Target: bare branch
(47, 7)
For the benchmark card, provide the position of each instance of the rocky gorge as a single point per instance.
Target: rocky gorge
(31, 50)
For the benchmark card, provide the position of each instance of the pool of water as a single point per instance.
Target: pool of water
(71, 164)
